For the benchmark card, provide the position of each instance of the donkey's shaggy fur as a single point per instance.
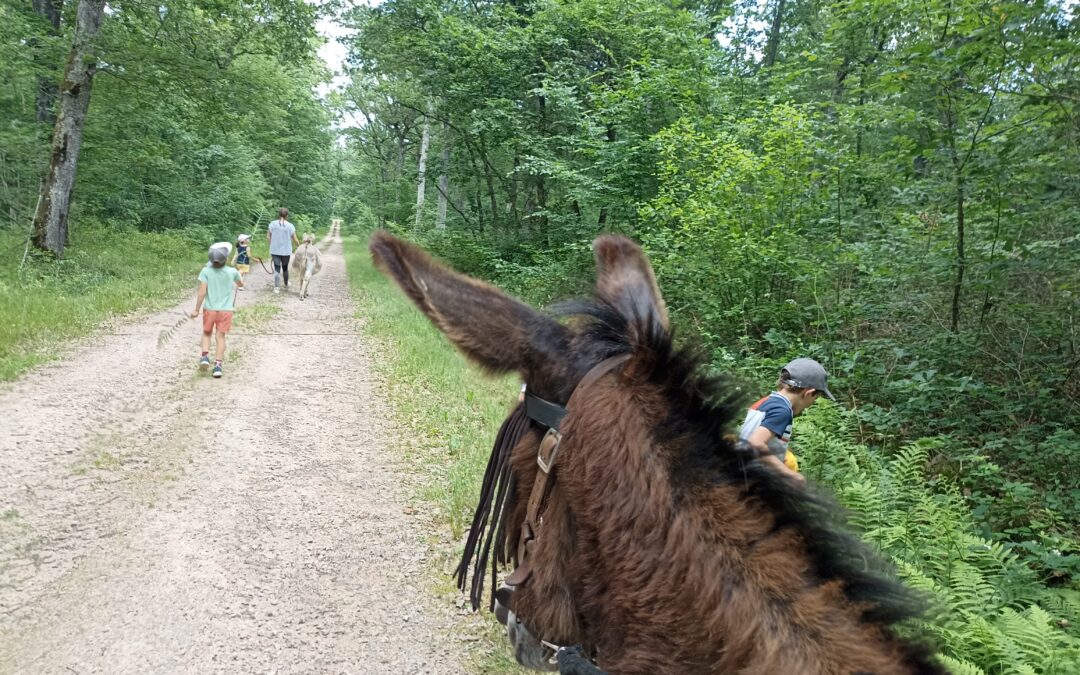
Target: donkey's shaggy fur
(663, 548)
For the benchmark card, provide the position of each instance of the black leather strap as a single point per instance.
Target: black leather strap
(545, 412)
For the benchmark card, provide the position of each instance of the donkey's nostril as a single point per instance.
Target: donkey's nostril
(503, 598)
(501, 612)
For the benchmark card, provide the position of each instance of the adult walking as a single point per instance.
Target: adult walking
(282, 235)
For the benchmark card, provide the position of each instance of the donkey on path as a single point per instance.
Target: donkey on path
(641, 533)
(307, 262)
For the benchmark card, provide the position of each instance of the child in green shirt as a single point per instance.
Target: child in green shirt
(216, 298)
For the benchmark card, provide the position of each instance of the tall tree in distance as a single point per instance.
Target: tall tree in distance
(50, 10)
(421, 171)
(50, 220)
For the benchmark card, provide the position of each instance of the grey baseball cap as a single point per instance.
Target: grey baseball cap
(807, 374)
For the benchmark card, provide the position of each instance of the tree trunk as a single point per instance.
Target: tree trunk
(50, 10)
(541, 189)
(601, 220)
(961, 260)
(421, 174)
(773, 43)
(444, 180)
(513, 196)
(51, 219)
(951, 124)
(398, 175)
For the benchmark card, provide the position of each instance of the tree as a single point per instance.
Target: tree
(50, 230)
(51, 11)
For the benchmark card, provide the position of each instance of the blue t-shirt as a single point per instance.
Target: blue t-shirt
(242, 254)
(775, 414)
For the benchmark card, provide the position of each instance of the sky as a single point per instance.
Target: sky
(334, 52)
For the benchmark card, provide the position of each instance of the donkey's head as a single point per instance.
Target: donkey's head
(638, 530)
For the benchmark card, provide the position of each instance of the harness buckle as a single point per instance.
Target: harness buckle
(555, 649)
(549, 450)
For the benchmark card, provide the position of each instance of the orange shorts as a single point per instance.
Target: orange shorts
(215, 317)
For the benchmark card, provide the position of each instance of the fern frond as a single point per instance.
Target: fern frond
(958, 667)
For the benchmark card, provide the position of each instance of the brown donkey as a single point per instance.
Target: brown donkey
(643, 535)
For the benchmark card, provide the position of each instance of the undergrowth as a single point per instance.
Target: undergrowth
(992, 612)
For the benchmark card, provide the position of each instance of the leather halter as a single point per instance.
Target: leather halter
(551, 416)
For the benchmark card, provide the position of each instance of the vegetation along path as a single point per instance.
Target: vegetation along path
(155, 520)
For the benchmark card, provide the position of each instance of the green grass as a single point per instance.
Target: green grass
(452, 412)
(105, 272)
(448, 402)
(253, 318)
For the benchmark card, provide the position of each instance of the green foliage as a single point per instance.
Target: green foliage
(991, 613)
(890, 187)
(201, 114)
(108, 270)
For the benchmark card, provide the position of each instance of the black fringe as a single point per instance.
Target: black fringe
(493, 505)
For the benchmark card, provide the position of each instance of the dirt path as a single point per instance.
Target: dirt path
(156, 520)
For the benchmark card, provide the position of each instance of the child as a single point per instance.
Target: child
(241, 258)
(216, 290)
(767, 428)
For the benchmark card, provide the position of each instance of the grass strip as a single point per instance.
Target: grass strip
(452, 413)
(106, 272)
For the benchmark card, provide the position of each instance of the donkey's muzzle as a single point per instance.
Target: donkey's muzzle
(528, 650)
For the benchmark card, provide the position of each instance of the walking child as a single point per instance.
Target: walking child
(767, 428)
(241, 258)
(216, 298)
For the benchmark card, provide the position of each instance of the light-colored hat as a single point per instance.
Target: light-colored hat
(219, 252)
(243, 237)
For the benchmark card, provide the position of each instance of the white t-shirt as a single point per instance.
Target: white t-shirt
(281, 234)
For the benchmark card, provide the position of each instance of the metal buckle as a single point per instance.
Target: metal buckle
(555, 649)
(546, 463)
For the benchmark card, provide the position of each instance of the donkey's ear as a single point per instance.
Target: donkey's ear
(625, 280)
(495, 330)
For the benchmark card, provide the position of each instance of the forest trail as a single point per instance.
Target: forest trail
(153, 519)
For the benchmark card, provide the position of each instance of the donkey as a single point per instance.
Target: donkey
(306, 262)
(642, 535)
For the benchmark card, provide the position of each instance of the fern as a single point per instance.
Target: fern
(958, 667)
(991, 614)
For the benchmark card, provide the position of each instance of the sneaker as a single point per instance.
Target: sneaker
(204, 363)
(217, 370)
(276, 290)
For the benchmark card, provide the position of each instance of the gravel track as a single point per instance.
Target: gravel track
(153, 519)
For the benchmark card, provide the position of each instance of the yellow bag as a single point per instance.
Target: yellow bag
(791, 461)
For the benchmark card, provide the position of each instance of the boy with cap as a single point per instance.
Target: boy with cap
(767, 428)
(216, 291)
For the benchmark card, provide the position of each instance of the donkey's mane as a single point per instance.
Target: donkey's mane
(701, 408)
